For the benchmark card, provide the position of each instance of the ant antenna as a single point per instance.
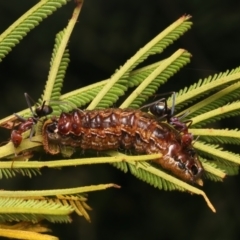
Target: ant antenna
(195, 140)
(28, 99)
(173, 103)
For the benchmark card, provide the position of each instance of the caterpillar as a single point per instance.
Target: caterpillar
(114, 128)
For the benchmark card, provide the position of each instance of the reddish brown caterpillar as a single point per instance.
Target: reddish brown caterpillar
(123, 128)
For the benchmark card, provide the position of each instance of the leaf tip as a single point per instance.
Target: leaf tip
(185, 17)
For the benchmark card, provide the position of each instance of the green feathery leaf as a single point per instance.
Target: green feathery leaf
(59, 63)
(58, 55)
(223, 136)
(157, 77)
(53, 205)
(18, 209)
(58, 77)
(212, 171)
(229, 110)
(137, 76)
(158, 178)
(19, 29)
(203, 87)
(215, 152)
(11, 172)
(231, 169)
(157, 45)
(82, 96)
(214, 101)
(19, 166)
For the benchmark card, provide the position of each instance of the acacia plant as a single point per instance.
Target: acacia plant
(220, 101)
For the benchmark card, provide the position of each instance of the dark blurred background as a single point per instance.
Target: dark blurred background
(109, 33)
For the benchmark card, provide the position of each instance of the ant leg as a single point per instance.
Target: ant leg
(22, 119)
(32, 132)
(153, 103)
(160, 100)
(165, 94)
(195, 140)
(189, 122)
(173, 103)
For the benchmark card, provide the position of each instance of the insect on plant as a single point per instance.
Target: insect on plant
(114, 128)
(161, 110)
(28, 123)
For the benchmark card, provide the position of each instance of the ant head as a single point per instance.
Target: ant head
(187, 139)
(160, 109)
(43, 110)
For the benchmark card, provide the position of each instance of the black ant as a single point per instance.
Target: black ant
(28, 123)
(161, 110)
